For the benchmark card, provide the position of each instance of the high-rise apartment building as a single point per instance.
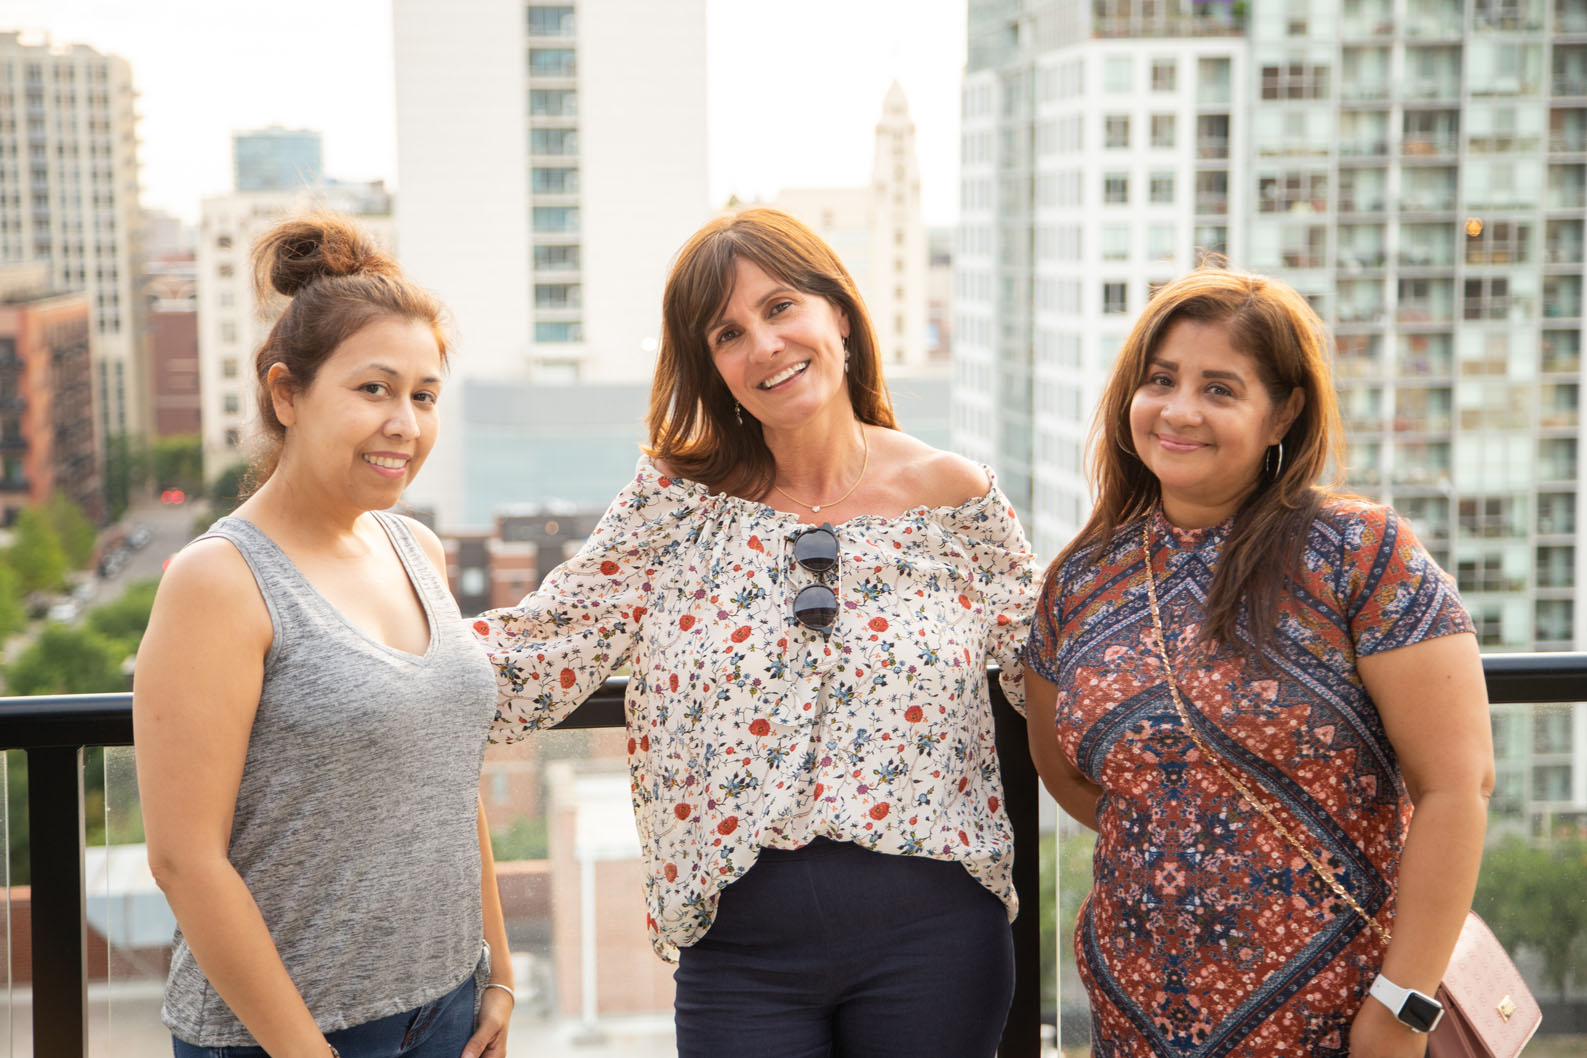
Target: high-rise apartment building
(1417, 168)
(552, 159)
(69, 196)
(277, 159)
(230, 324)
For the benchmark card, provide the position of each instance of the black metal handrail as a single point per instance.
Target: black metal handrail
(54, 730)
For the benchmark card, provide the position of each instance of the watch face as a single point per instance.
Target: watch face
(1420, 1013)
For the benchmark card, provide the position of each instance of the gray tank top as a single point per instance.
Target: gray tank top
(355, 822)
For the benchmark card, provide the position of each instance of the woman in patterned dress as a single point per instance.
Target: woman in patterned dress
(1322, 656)
(807, 599)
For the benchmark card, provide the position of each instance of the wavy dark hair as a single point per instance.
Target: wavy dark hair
(692, 424)
(337, 282)
(1277, 328)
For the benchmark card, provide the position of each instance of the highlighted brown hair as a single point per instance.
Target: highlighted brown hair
(693, 429)
(1278, 329)
(338, 283)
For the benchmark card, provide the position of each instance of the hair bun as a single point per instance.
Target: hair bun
(296, 252)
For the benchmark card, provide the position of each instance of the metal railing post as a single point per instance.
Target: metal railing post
(59, 903)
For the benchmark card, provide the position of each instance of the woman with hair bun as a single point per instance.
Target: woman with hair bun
(1243, 680)
(310, 713)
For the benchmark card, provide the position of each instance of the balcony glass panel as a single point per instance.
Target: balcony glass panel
(1362, 190)
(1421, 464)
(1426, 300)
(1361, 248)
(1499, 243)
(1427, 245)
(1570, 16)
(1570, 70)
(1361, 301)
(1567, 130)
(1508, 16)
(1358, 356)
(1508, 184)
(1430, 190)
(1428, 515)
(1430, 133)
(1504, 128)
(1431, 72)
(1366, 18)
(1435, 18)
(1498, 67)
(1561, 297)
(1556, 513)
(1567, 187)
(1422, 409)
(1426, 355)
(1561, 351)
(1214, 82)
(1556, 459)
(1212, 192)
(1363, 133)
(1365, 74)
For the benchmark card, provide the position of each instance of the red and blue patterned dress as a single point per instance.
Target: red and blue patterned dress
(1205, 933)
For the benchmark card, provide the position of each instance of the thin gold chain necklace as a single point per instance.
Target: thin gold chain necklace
(815, 508)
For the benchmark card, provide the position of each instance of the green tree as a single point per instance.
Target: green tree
(126, 472)
(225, 492)
(36, 553)
(66, 660)
(1531, 897)
(178, 463)
(123, 621)
(13, 612)
(72, 527)
(525, 839)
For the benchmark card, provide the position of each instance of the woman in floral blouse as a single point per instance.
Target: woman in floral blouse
(808, 599)
(1229, 648)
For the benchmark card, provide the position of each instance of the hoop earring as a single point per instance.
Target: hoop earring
(1118, 442)
(1267, 461)
(738, 413)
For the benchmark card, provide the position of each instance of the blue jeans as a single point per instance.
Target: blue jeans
(833, 951)
(436, 1030)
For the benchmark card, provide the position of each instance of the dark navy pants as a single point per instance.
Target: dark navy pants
(436, 1030)
(833, 951)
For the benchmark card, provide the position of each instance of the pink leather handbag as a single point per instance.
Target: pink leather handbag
(1488, 1010)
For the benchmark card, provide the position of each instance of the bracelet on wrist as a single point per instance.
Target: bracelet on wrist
(504, 988)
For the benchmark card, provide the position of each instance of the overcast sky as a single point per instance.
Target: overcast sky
(812, 73)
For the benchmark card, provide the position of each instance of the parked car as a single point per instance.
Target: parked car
(65, 610)
(139, 537)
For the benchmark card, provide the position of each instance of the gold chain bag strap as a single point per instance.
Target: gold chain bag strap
(1488, 1010)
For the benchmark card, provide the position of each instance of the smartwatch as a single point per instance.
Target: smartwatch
(1415, 1010)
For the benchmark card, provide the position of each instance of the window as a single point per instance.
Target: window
(1161, 185)
(551, 331)
(228, 331)
(1115, 302)
(556, 258)
(1488, 298)
(1293, 193)
(230, 404)
(223, 242)
(550, 21)
(1115, 242)
(553, 102)
(557, 295)
(1212, 191)
(552, 62)
(1116, 188)
(228, 367)
(1499, 243)
(556, 218)
(553, 141)
(1162, 130)
(1160, 240)
(1295, 80)
(545, 181)
(1118, 73)
(225, 271)
(1116, 131)
(1165, 75)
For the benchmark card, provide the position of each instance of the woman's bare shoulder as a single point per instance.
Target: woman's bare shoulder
(937, 478)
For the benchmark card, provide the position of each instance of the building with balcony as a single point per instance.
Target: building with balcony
(1418, 169)
(553, 160)
(68, 156)
(47, 441)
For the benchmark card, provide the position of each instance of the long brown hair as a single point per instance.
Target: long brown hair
(1277, 328)
(337, 282)
(693, 428)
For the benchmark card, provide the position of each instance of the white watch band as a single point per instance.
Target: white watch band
(1394, 997)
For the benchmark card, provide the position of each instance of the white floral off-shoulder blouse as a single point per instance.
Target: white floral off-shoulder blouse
(748, 730)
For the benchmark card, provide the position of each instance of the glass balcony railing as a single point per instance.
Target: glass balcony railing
(79, 931)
